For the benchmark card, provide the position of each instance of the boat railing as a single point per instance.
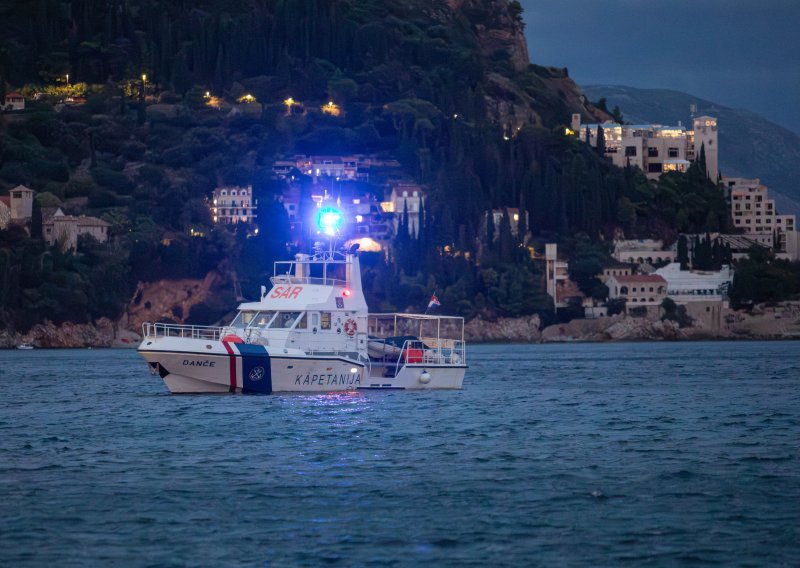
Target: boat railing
(433, 352)
(289, 279)
(440, 352)
(209, 333)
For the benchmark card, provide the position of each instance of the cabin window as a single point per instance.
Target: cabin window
(315, 320)
(302, 322)
(326, 320)
(243, 319)
(285, 320)
(262, 319)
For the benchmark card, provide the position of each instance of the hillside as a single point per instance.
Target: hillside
(163, 105)
(750, 145)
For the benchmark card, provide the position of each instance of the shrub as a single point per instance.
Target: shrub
(112, 180)
(102, 198)
(133, 151)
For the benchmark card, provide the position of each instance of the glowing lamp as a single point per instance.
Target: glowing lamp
(347, 293)
(329, 220)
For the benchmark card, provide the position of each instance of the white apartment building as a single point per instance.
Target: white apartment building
(233, 204)
(653, 148)
(754, 212)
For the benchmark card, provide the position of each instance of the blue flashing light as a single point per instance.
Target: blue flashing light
(329, 221)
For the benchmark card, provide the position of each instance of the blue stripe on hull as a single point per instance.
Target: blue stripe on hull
(256, 368)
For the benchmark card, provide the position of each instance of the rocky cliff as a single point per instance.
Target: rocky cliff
(519, 94)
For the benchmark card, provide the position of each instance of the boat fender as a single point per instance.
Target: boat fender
(350, 327)
(425, 377)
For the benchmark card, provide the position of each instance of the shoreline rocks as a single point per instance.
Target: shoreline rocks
(102, 333)
(781, 322)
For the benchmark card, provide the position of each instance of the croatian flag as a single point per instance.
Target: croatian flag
(434, 303)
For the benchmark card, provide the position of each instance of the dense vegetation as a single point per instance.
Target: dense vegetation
(414, 81)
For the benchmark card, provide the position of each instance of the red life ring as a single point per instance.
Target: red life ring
(350, 327)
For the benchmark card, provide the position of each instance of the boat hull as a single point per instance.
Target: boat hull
(190, 366)
(418, 377)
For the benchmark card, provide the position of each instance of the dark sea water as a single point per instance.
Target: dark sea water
(552, 455)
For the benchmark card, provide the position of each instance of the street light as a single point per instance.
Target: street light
(67, 78)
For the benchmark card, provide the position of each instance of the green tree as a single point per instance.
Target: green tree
(683, 252)
(601, 142)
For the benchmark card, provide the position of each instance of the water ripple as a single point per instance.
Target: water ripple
(552, 455)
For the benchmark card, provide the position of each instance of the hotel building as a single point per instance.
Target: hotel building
(653, 148)
(754, 212)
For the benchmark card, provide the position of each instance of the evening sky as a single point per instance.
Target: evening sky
(740, 53)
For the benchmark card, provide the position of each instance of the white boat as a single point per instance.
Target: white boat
(25, 346)
(311, 332)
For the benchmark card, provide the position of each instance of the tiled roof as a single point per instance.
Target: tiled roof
(85, 221)
(82, 221)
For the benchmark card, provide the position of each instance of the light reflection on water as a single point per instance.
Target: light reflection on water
(551, 455)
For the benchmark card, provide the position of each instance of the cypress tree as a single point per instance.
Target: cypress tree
(695, 250)
(490, 229)
(601, 142)
(683, 252)
(716, 255)
(701, 161)
(505, 238)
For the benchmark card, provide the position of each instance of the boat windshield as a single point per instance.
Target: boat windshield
(262, 320)
(270, 320)
(286, 320)
(243, 319)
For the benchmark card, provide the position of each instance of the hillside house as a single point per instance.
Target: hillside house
(497, 217)
(638, 290)
(615, 269)
(405, 197)
(233, 204)
(65, 229)
(13, 101)
(16, 206)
